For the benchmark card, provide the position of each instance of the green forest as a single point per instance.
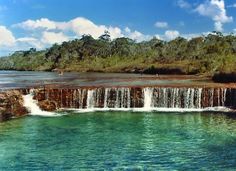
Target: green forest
(205, 55)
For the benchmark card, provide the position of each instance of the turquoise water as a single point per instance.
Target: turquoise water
(119, 141)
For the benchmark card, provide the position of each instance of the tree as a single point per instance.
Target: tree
(122, 46)
(106, 36)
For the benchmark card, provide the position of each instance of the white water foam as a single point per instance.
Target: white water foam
(34, 109)
(148, 96)
(167, 110)
(160, 100)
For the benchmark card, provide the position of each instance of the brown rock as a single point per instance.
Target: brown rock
(47, 105)
(11, 105)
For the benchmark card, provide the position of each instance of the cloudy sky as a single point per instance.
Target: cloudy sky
(41, 23)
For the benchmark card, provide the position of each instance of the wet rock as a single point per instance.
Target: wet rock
(39, 94)
(47, 105)
(11, 105)
(50, 99)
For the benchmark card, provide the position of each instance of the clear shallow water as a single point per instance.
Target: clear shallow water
(119, 141)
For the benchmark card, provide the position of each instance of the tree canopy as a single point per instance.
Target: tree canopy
(208, 54)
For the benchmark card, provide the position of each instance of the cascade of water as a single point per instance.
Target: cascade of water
(199, 98)
(123, 98)
(165, 97)
(98, 96)
(106, 95)
(211, 99)
(90, 99)
(82, 94)
(128, 97)
(117, 102)
(32, 106)
(124, 101)
(218, 97)
(148, 97)
(117, 98)
(74, 98)
(224, 90)
(177, 98)
(191, 103)
(173, 97)
(186, 98)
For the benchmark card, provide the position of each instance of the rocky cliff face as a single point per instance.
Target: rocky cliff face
(136, 97)
(51, 99)
(11, 105)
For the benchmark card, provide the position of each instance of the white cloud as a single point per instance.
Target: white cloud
(136, 35)
(183, 4)
(27, 42)
(42, 23)
(78, 25)
(45, 32)
(171, 34)
(9, 44)
(158, 36)
(218, 26)
(26, 39)
(84, 26)
(127, 29)
(161, 24)
(191, 35)
(7, 38)
(52, 37)
(215, 9)
(115, 32)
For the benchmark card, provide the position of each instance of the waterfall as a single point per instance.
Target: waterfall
(183, 98)
(148, 98)
(32, 106)
(107, 90)
(199, 98)
(142, 98)
(90, 99)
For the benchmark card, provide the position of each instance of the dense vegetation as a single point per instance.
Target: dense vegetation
(201, 55)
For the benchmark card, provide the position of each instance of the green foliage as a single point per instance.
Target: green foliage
(201, 55)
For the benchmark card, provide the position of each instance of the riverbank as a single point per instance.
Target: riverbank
(204, 55)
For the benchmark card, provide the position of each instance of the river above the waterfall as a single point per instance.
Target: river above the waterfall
(24, 79)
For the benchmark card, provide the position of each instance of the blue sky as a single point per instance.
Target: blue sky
(41, 23)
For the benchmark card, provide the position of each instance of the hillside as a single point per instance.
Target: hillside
(201, 55)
